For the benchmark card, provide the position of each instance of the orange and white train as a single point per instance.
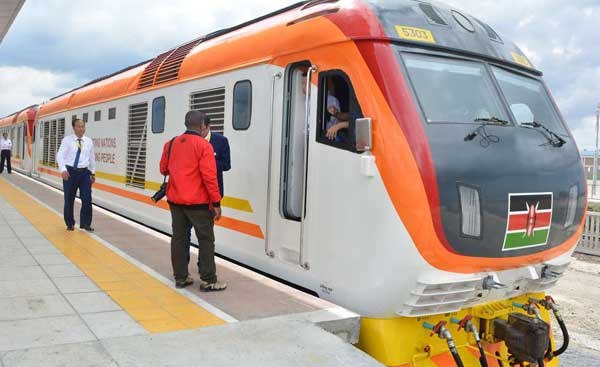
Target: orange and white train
(452, 201)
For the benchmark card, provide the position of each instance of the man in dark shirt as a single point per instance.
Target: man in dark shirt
(220, 145)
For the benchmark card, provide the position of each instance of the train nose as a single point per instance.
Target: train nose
(495, 203)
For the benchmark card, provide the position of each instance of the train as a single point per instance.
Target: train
(442, 212)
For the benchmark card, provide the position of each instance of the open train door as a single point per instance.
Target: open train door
(293, 103)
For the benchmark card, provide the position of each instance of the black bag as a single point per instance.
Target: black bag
(162, 191)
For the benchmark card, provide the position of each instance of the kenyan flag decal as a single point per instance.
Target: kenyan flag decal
(529, 218)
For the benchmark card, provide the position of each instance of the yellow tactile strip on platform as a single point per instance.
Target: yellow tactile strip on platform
(153, 304)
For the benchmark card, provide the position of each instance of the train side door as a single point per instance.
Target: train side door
(287, 184)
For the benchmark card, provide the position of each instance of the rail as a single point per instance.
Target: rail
(589, 243)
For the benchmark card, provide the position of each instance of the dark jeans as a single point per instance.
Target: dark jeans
(78, 180)
(5, 156)
(182, 218)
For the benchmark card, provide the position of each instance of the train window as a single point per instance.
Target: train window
(453, 91)
(112, 113)
(294, 142)
(338, 110)
(242, 105)
(85, 117)
(528, 100)
(73, 118)
(97, 115)
(158, 115)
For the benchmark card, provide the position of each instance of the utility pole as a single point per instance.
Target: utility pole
(595, 174)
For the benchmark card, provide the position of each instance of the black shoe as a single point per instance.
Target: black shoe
(70, 228)
(88, 229)
(184, 283)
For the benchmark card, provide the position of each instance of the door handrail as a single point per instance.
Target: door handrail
(268, 250)
(302, 256)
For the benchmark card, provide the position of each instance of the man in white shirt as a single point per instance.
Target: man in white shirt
(75, 159)
(5, 147)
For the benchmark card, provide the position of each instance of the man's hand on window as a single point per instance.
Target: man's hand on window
(333, 131)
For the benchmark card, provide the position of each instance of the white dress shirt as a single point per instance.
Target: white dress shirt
(68, 151)
(5, 144)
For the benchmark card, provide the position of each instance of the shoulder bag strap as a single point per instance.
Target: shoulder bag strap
(168, 158)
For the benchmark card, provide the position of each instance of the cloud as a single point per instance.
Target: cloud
(94, 38)
(558, 37)
(64, 41)
(23, 86)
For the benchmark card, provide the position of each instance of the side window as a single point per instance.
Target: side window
(242, 105)
(97, 115)
(73, 118)
(338, 110)
(112, 113)
(85, 117)
(158, 115)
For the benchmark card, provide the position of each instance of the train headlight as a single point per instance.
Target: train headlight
(470, 207)
(571, 206)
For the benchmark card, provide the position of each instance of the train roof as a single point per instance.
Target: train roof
(296, 28)
(19, 116)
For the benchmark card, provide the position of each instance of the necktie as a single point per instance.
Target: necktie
(78, 153)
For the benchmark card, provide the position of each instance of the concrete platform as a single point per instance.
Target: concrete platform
(75, 299)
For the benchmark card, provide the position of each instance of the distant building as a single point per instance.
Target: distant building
(587, 156)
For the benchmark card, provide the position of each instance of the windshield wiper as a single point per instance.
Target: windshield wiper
(486, 139)
(553, 138)
(491, 121)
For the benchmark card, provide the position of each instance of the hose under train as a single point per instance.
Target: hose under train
(565, 333)
(482, 358)
(456, 356)
(563, 328)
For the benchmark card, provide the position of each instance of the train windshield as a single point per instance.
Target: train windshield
(453, 91)
(528, 99)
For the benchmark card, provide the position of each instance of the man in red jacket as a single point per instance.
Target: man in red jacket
(193, 196)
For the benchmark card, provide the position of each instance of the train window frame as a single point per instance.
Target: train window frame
(245, 125)
(320, 134)
(85, 117)
(486, 67)
(555, 109)
(158, 116)
(112, 113)
(97, 115)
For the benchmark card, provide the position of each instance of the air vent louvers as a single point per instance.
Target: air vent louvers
(490, 31)
(147, 79)
(165, 67)
(136, 145)
(211, 102)
(432, 14)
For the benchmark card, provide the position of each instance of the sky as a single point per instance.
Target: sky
(56, 45)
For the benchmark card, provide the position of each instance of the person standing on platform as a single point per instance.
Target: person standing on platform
(75, 159)
(220, 145)
(6, 147)
(194, 200)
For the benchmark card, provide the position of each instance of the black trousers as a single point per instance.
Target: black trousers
(5, 157)
(81, 180)
(182, 217)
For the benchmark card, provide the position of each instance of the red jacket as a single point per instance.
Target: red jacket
(192, 171)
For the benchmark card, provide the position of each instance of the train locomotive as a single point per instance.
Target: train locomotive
(442, 210)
